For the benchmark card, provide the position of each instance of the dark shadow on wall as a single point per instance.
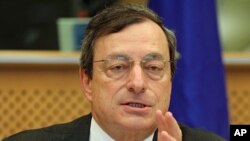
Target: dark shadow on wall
(31, 24)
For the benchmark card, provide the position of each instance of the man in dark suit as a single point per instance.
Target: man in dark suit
(127, 66)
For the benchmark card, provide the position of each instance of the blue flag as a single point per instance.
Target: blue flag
(199, 95)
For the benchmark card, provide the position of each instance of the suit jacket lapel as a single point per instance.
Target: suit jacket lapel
(81, 131)
(155, 135)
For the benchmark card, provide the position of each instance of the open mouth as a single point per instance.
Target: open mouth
(136, 105)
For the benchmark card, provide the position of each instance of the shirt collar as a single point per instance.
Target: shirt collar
(97, 134)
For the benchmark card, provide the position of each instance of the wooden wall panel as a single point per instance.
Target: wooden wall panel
(38, 95)
(238, 86)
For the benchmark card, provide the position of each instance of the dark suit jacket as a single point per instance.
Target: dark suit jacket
(79, 130)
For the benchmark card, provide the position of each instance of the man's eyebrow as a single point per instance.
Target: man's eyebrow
(153, 56)
(120, 56)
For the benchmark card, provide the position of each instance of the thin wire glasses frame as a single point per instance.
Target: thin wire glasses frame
(120, 68)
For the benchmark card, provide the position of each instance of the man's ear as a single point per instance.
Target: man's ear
(85, 84)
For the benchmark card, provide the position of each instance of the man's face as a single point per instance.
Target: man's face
(129, 100)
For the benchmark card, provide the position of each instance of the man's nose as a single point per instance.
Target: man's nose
(136, 80)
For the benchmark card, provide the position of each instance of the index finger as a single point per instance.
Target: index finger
(160, 121)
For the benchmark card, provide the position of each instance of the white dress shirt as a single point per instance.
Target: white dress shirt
(97, 134)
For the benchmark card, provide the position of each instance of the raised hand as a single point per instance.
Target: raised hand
(168, 128)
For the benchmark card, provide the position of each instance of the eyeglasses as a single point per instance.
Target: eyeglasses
(119, 66)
